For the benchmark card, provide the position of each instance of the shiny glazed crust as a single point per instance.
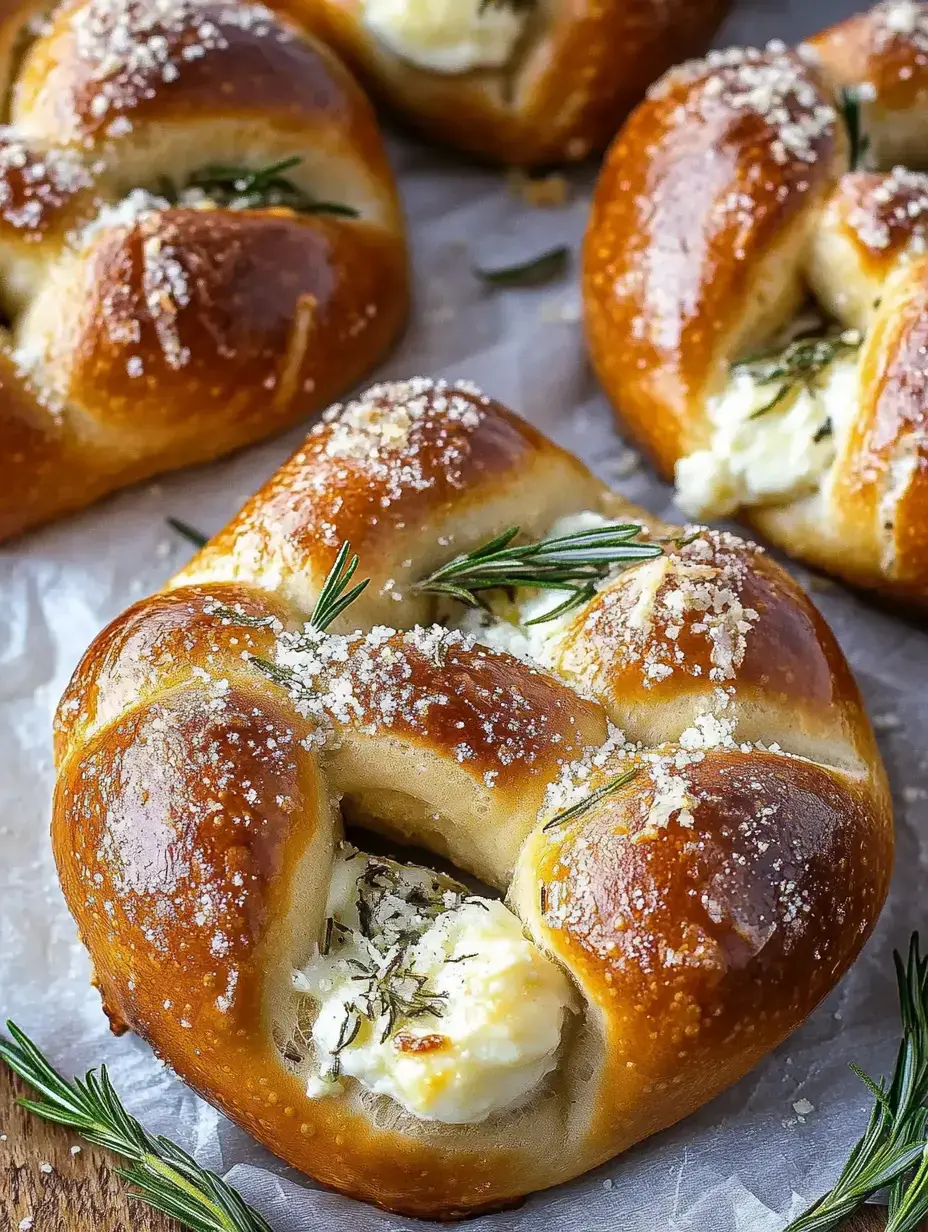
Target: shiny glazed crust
(145, 337)
(582, 66)
(726, 197)
(702, 911)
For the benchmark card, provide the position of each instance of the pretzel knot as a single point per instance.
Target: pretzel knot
(674, 784)
(199, 241)
(773, 294)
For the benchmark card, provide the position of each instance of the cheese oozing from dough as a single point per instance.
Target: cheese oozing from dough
(763, 454)
(429, 995)
(447, 36)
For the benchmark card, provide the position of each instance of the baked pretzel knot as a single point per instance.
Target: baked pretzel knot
(674, 783)
(524, 82)
(756, 290)
(199, 241)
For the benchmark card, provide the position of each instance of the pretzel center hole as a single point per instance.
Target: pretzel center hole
(385, 842)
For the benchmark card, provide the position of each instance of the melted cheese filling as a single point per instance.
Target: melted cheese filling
(447, 36)
(429, 995)
(769, 456)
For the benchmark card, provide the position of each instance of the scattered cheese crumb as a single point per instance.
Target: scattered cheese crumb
(539, 192)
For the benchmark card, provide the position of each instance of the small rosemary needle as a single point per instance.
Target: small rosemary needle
(535, 272)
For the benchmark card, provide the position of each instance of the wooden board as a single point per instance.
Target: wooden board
(81, 1193)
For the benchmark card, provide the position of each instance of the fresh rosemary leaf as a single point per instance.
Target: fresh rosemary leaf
(824, 430)
(252, 189)
(327, 207)
(284, 676)
(188, 532)
(584, 805)
(349, 1030)
(783, 393)
(334, 596)
(801, 365)
(908, 1202)
(892, 1150)
(684, 541)
(574, 563)
(857, 138)
(163, 1175)
(535, 272)
(235, 616)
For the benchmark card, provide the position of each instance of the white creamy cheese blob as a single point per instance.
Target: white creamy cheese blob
(768, 457)
(447, 36)
(429, 995)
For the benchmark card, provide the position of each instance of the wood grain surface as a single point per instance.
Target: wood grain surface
(79, 1191)
(61, 1191)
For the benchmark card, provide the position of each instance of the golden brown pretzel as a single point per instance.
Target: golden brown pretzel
(726, 202)
(553, 89)
(700, 910)
(145, 335)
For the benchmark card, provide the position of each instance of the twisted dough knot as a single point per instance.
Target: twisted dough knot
(162, 307)
(731, 197)
(675, 784)
(524, 82)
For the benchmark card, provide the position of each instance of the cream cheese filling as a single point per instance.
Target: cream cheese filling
(448, 36)
(774, 438)
(429, 995)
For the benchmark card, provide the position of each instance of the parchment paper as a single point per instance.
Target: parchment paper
(745, 1161)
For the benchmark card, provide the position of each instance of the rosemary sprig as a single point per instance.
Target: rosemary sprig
(850, 100)
(798, 366)
(894, 1141)
(535, 272)
(188, 532)
(262, 188)
(572, 563)
(286, 677)
(333, 597)
(584, 805)
(164, 1176)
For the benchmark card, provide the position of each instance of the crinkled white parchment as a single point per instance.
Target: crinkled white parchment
(753, 1155)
